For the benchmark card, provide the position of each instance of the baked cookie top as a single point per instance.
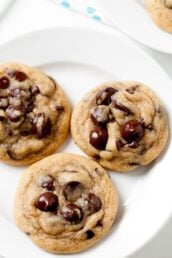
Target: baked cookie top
(161, 13)
(65, 203)
(120, 124)
(34, 114)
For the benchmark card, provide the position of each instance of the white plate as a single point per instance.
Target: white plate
(131, 17)
(4, 4)
(79, 59)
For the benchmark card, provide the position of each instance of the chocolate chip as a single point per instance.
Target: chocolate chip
(4, 82)
(133, 163)
(2, 118)
(72, 213)
(20, 93)
(132, 131)
(93, 203)
(47, 202)
(89, 234)
(3, 103)
(131, 90)
(14, 113)
(41, 124)
(35, 90)
(15, 93)
(150, 127)
(119, 144)
(72, 190)
(20, 76)
(104, 96)
(29, 107)
(49, 185)
(25, 128)
(98, 138)
(59, 108)
(121, 107)
(96, 157)
(100, 115)
(99, 223)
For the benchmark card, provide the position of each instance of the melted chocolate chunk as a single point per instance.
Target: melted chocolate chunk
(2, 118)
(20, 76)
(104, 96)
(150, 127)
(96, 157)
(41, 125)
(14, 114)
(34, 90)
(4, 82)
(133, 164)
(20, 93)
(89, 234)
(59, 108)
(100, 115)
(49, 185)
(72, 213)
(132, 131)
(30, 107)
(72, 190)
(47, 202)
(93, 203)
(98, 138)
(131, 90)
(15, 93)
(99, 223)
(121, 107)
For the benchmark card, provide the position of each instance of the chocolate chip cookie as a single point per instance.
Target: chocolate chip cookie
(121, 125)
(65, 203)
(161, 13)
(34, 114)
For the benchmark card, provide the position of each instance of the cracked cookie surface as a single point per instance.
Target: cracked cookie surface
(161, 13)
(121, 125)
(34, 114)
(65, 203)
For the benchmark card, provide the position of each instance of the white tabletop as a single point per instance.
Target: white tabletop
(29, 15)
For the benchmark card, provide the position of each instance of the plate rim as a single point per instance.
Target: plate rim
(129, 34)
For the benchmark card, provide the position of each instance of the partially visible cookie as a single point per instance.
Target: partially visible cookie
(161, 13)
(122, 125)
(65, 203)
(34, 114)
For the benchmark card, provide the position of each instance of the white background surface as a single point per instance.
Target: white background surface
(29, 15)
